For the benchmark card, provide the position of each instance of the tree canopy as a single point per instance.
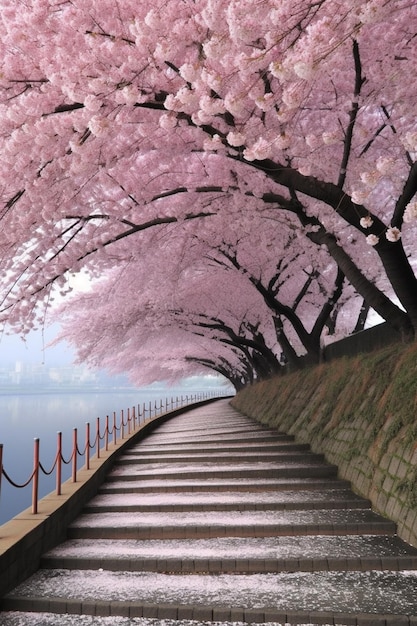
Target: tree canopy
(275, 139)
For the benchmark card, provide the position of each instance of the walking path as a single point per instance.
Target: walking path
(215, 518)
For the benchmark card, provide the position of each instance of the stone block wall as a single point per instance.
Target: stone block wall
(361, 412)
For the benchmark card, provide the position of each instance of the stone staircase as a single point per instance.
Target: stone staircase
(215, 518)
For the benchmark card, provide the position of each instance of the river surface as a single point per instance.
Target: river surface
(24, 417)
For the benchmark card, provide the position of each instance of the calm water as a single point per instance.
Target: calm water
(27, 416)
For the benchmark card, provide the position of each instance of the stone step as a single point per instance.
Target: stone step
(182, 422)
(210, 524)
(207, 448)
(254, 437)
(193, 529)
(377, 598)
(202, 472)
(173, 485)
(230, 501)
(269, 554)
(233, 565)
(247, 429)
(98, 612)
(237, 458)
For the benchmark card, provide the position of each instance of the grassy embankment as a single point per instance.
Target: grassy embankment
(361, 412)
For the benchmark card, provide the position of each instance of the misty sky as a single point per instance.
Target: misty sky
(34, 349)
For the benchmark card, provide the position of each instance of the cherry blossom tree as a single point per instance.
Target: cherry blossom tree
(283, 313)
(120, 117)
(208, 286)
(179, 323)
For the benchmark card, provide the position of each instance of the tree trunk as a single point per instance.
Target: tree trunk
(401, 276)
(363, 314)
(292, 358)
(394, 316)
(394, 260)
(311, 344)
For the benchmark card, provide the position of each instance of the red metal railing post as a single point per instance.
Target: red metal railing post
(59, 464)
(74, 455)
(87, 445)
(98, 437)
(130, 423)
(35, 479)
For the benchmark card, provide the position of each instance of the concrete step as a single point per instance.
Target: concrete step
(268, 554)
(20, 618)
(233, 565)
(251, 437)
(159, 484)
(205, 471)
(247, 429)
(230, 501)
(210, 524)
(207, 448)
(378, 598)
(191, 529)
(217, 457)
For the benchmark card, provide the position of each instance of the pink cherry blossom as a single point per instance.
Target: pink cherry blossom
(372, 240)
(122, 118)
(410, 213)
(366, 222)
(393, 234)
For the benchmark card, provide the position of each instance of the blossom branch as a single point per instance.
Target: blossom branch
(359, 80)
(134, 229)
(408, 192)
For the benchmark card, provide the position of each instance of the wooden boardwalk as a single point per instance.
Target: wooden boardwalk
(215, 518)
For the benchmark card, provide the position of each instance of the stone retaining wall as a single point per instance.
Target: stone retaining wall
(361, 412)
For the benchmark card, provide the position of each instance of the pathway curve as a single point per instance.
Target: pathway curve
(215, 518)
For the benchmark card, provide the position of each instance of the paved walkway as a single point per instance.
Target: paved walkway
(215, 518)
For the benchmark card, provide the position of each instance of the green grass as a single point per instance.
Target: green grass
(367, 404)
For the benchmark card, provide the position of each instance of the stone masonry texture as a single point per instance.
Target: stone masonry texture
(361, 412)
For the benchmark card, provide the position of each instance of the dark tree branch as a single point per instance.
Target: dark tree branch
(94, 33)
(363, 314)
(127, 233)
(408, 192)
(310, 277)
(239, 379)
(274, 304)
(394, 130)
(329, 305)
(255, 349)
(359, 80)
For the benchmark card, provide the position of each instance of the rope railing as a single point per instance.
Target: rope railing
(129, 421)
